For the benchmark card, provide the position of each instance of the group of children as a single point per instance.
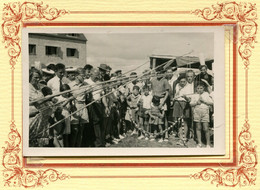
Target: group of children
(85, 113)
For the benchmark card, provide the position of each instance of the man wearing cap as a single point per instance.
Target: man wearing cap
(98, 109)
(102, 71)
(46, 76)
(107, 75)
(71, 74)
(118, 73)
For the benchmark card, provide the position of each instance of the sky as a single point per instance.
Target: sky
(126, 51)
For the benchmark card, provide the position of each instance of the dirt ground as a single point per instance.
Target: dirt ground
(133, 141)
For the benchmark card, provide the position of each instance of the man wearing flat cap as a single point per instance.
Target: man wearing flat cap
(118, 73)
(102, 70)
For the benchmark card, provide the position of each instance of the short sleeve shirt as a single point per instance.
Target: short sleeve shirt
(159, 87)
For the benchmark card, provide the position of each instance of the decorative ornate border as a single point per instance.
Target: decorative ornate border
(245, 15)
(14, 14)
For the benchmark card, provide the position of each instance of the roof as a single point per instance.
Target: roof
(70, 36)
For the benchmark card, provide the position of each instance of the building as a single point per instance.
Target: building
(69, 49)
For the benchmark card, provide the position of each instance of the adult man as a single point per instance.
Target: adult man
(71, 74)
(190, 76)
(118, 73)
(56, 82)
(160, 88)
(80, 119)
(102, 71)
(181, 108)
(98, 108)
(204, 75)
(87, 68)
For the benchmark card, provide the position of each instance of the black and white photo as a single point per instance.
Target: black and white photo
(128, 91)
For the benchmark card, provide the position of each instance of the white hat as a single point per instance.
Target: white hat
(51, 72)
(71, 69)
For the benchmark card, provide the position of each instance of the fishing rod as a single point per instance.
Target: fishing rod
(94, 102)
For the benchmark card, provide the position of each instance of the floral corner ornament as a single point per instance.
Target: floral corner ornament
(245, 14)
(14, 14)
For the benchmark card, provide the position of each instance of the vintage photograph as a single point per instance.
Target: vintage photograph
(157, 91)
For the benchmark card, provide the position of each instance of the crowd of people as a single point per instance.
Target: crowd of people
(92, 107)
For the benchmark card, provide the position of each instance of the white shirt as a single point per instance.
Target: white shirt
(190, 87)
(96, 93)
(147, 100)
(186, 90)
(205, 97)
(80, 94)
(54, 84)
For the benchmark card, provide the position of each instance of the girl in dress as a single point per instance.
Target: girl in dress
(156, 118)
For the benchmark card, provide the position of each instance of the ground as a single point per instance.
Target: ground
(133, 141)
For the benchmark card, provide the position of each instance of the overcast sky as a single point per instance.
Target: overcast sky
(127, 51)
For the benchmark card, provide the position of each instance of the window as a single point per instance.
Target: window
(32, 49)
(51, 50)
(71, 52)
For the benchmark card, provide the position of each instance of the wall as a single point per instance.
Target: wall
(42, 41)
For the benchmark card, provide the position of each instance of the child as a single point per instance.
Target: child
(57, 130)
(145, 105)
(156, 117)
(201, 102)
(67, 107)
(132, 101)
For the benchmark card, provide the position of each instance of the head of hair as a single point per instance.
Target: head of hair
(190, 71)
(32, 71)
(182, 76)
(133, 74)
(205, 66)
(59, 66)
(46, 91)
(156, 100)
(201, 83)
(136, 88)
(88, 67)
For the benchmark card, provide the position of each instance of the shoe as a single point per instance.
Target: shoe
(199, 145)
(208, 146)
(161, 140)
(133, 133)
(121, 136)
(166, 140)
(141, 137)
(180, 143)
(152, 139)
(146, 138)
(107, 144)
(124, 134)
(115, 141)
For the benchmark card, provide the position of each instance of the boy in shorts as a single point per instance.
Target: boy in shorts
(201, 102)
